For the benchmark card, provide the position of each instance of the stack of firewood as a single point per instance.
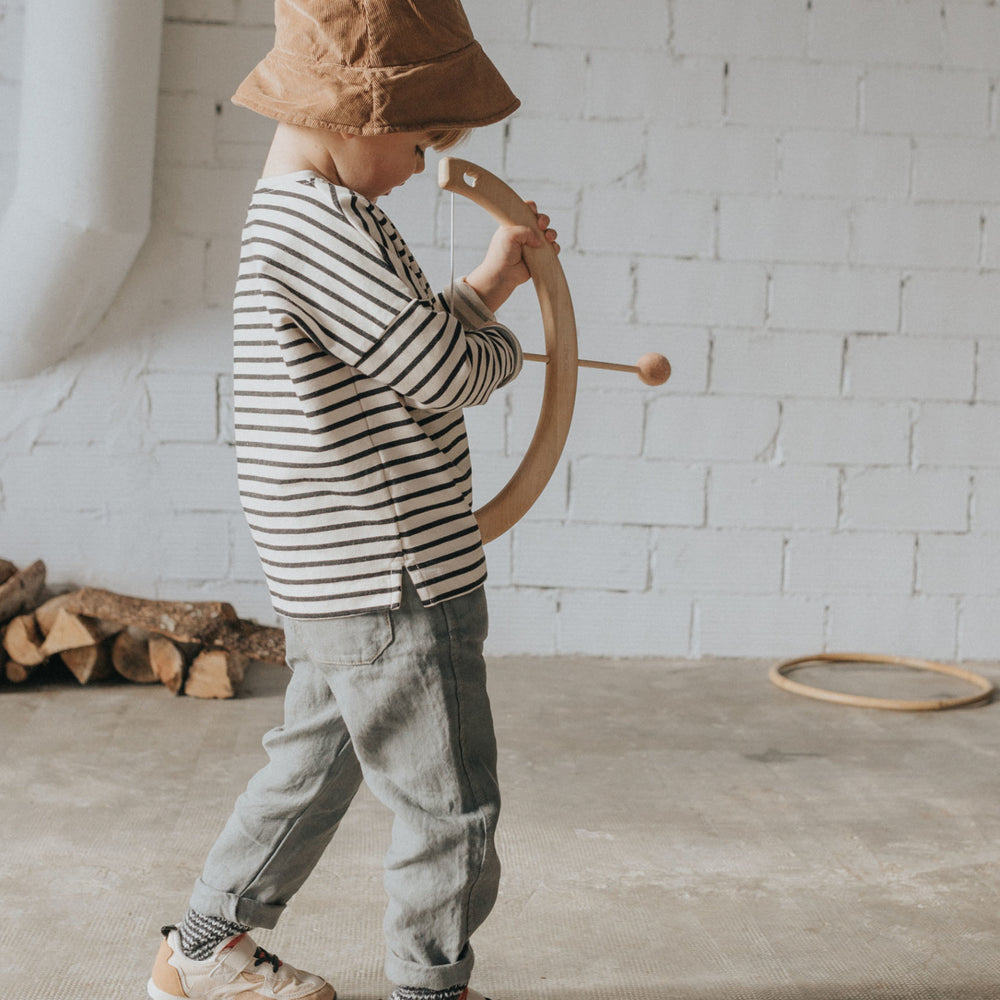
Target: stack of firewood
(195, 648)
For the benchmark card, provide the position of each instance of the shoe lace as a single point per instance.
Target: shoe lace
(260, 957)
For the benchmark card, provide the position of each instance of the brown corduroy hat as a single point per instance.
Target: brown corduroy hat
(368, 67)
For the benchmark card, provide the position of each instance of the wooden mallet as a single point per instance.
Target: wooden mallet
(652, 368)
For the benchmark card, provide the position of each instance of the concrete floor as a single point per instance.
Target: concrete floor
(671, 830)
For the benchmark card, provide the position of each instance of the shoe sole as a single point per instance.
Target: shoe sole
(155, 993)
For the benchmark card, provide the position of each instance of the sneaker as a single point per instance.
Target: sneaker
(236, 969)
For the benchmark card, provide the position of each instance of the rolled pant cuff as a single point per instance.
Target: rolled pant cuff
(229, 906)
(429, 977)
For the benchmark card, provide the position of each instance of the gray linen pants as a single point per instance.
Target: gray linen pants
(397, 699)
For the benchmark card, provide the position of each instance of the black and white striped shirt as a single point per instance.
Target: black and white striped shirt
(349, 382)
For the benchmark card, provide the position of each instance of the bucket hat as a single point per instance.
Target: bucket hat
(368, 67)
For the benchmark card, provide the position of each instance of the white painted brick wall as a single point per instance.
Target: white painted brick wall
(798, 201)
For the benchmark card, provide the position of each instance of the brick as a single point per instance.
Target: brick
(204, 11)
(633, 491)
(767, 496)
(850, 563)
(649, 85)
(174, 265)
(498, 22)
(487, 426)
(494, 472)
(959, 564)
(792, 94)
(72, 478)
(202, 201)
(245, 562)
(185, 129)
(499, 560)
(926, 102)
(196, 341)
(609, 624)
(521, 621)
(195, 547)
(908, 235)
(770, 28)
(717, 561)
(256, 12)
(694, 292)
(988, 372)
(957, 434)
(672, 225)
(758, 626)
(588, 557)
(956, 170)
(844, 432)
(972, 35)
(838, 164)
(901, 367)
(979, 628)
(834, 298)
(221, 263)
(182, 407)
(196, 477)
(906, 500)
(539, 147)
(991, 238)
(724, 159)
(11, 43)
(986, 501)
(601, 288)
(562, 22)
(550, 81)
(922, 627)
(711, 428)
(89, 414)
(210, 59)
(790, 230)
(605, 422)
(776, 364)
(878, 32)
(951, 303)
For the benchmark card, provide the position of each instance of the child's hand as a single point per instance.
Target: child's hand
(503, 267)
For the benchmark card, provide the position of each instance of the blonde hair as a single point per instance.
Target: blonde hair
(447, 138)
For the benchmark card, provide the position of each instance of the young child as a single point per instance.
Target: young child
(350, 378)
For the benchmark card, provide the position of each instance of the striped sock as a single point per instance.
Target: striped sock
(415, 993)
(200, 934)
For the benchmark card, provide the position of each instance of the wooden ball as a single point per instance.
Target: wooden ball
(654, 369)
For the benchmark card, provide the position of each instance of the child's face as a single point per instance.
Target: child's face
(374, 165)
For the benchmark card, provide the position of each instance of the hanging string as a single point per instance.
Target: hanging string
(451, 286)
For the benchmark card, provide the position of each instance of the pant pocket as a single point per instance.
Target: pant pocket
(354, 640)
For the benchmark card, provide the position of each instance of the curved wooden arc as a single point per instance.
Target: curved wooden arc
(539, 461)
(778, 675)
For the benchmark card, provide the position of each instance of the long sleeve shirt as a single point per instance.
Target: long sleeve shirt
(350, 377)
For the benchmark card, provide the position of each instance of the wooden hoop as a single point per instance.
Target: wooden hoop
(778, 676)
(540, 460)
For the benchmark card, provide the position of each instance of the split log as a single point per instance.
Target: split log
(45, 614)
(185, 621)
(168, 662)
(23, 641)
(22, 591)
(18, 673)
(70, 631)
(7, 570)
(89, 663)
(254, 641)
(215, 673)
(130, 656)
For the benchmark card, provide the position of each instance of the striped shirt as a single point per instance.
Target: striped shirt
(349, 382)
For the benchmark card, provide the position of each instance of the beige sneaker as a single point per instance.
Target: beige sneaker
(237, 969)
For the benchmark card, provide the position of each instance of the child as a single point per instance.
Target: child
(354, 475)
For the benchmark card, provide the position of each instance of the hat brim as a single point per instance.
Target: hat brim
(461, 90)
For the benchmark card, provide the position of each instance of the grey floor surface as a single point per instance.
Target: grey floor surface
(671, 831)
